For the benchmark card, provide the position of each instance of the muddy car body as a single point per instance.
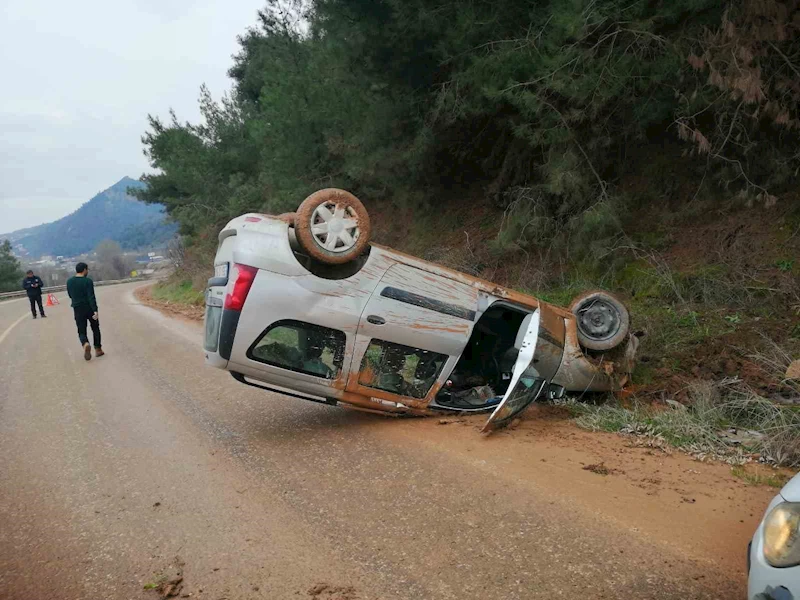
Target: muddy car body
(390, 333)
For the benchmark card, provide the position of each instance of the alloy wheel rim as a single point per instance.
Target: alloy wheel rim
(335, 227)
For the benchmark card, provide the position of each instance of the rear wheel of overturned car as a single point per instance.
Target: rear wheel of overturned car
(602, 319)
(332, 226)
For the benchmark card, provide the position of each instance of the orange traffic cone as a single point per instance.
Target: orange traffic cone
(52, 300)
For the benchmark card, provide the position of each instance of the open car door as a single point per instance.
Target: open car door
(526, 384)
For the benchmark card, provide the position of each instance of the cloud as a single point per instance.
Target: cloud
(79, 80)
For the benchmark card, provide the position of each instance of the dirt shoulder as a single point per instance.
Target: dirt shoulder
(186, 311)
(700, 508)
(605, 473)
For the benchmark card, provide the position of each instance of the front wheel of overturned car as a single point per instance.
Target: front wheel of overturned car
(602, 319)
(332, 226)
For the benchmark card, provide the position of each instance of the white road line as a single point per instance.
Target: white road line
(4, 335)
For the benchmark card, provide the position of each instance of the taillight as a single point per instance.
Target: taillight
(245, 276)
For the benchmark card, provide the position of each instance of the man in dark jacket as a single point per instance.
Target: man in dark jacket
(33, 285)
(81, 290)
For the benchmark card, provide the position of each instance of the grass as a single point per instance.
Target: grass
(673, 330)
(772, 431)
(775, 480)
(178, 292)
(160, 580)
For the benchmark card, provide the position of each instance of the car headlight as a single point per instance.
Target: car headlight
(782, 535)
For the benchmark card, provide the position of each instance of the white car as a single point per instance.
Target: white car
(303, 305)
(774, 554)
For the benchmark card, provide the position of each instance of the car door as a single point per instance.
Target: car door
(410, 335)
(527, 383)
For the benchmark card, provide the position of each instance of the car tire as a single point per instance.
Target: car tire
(332, 226)
(602, 319)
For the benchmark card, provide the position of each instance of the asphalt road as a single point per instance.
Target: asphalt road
(144, 463)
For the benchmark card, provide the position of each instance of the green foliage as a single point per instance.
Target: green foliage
(10, 272)
(151, 232)
(178, 292)
(734, 319)
(774, 480)
(547, 105)
(739, 104)
(699, 428)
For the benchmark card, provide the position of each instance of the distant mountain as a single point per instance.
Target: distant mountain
(111, 214)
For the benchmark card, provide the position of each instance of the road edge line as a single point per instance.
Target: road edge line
(4, 335)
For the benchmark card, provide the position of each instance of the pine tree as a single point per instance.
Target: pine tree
(10, 272)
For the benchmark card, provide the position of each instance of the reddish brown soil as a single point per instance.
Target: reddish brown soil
(700, 507)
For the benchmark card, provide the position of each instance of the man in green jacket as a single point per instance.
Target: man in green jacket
(81, 290)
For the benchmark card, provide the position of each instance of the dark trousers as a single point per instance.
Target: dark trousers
(82, 316)
(34, 300)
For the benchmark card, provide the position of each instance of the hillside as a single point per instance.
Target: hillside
(111, 214)
(650, 149)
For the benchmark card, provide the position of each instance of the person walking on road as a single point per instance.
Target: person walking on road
(80, 289)
(33, 285)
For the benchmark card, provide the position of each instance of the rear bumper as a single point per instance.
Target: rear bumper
(213, 359)
(227, 332)
(220, 329)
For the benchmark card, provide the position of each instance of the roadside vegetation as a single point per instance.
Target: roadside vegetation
(722, 420)
(178, 291)
(545, 107)
(775, 480)
(650, 149)
(10, 270)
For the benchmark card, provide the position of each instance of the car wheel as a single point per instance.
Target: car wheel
(602, 319)
(332, 226)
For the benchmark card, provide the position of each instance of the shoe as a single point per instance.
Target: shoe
(44, 316)
(34, 316)
(98, 352)
(87, 351)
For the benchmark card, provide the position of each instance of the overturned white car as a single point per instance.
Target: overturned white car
(303, 305)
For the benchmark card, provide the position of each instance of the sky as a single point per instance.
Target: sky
(78, 81)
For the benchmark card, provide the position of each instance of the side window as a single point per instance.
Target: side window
(301, 347)
(400, 369)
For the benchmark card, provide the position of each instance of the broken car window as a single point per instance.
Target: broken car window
(399, 369)
(301, 347)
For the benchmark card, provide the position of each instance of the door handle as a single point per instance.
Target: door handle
(376, 320)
